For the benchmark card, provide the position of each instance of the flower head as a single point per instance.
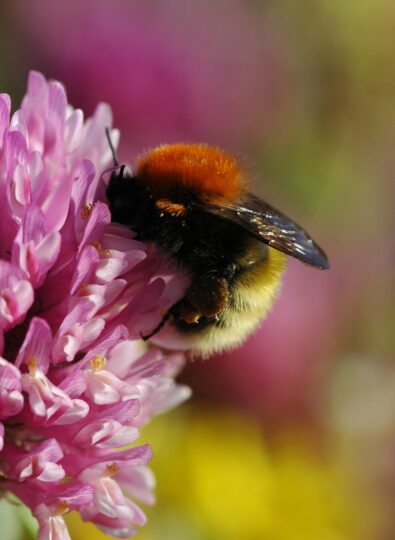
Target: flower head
(76, 292)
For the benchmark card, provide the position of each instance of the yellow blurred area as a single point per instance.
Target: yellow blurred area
(218, 479)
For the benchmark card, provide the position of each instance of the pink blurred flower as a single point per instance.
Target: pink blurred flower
(76, 382)
(211, 71)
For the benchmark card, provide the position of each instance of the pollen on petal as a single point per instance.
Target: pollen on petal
(61, 509)
(86, 211)
(112, 469)
(98, 362)
(32, 365)
(97, 245)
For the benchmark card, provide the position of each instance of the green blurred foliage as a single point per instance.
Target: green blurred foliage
(16, 520)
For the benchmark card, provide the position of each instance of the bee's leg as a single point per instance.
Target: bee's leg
(186, 312)
(209, 295)
(182, 310)
(206, 298)
(165, 318)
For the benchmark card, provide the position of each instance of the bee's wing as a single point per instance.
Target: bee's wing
(271, 227)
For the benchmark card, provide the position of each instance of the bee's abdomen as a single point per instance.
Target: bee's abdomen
(251, 295)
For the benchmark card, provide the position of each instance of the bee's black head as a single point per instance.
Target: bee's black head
(126, 196)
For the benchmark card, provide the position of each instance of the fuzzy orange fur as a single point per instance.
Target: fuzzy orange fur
(209, 172)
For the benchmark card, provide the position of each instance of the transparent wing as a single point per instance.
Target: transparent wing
(271, 227)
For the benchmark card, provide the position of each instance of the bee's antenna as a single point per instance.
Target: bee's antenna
(114, 155)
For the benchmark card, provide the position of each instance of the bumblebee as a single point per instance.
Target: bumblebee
(192, 201)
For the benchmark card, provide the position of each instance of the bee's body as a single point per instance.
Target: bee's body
(251, 292)
(189, 200)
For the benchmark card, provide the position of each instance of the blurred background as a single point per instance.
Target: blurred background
(292, 436)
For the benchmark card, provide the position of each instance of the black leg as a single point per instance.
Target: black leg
(165, 318)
